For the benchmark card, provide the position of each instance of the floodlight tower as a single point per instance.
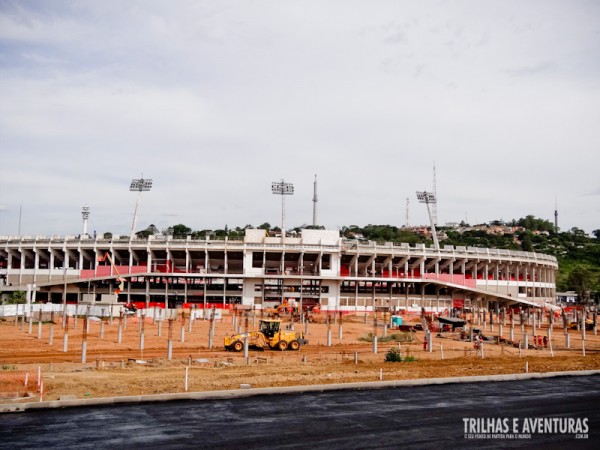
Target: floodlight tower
(429, 199)
(138, 185)
(85, 214)
(282, 188)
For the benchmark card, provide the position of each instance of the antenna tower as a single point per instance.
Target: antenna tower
(434, 205)
(315, 200)
(555, 215)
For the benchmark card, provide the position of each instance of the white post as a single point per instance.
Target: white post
(186, 378)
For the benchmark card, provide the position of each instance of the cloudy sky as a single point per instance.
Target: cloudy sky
(215, 100)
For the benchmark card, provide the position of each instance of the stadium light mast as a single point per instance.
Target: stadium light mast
(138, 185)
(429, 199)
(85, 214)
(282, 188)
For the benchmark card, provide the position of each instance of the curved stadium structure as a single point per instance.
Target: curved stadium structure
(260, 271)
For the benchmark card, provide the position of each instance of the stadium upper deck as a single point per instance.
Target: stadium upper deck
(317, 267)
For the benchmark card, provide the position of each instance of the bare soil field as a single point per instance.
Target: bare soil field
(136, 366)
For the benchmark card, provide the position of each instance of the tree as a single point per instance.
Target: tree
(596, 233)
(17, 298)
(580, 280)
(181, 231)
(150, 231)
(526, 242)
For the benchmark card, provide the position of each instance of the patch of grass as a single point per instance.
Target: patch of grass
(394, 355)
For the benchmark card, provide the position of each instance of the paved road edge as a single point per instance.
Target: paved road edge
(249, 392)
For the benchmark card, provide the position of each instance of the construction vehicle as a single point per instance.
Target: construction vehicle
(120, 280)
(269, 334)
(294, 312)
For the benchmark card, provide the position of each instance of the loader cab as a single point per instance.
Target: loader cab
(270, 327)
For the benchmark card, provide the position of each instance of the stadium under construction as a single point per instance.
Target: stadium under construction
(258, 271)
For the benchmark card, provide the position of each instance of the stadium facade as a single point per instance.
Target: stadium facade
(318, 267)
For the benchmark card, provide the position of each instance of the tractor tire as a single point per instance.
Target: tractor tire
(294, 345)
(237, 346)
(282, 345)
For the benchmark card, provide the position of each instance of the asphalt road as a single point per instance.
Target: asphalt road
(407, 417)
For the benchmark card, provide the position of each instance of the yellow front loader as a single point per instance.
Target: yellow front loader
(268, 335)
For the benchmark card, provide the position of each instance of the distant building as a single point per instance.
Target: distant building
(566, 298)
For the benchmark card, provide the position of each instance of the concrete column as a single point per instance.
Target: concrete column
(51, 332)
(66, 334)
(170, 341)
(429, 342)
(142, 331)
(39, 332)
(84, 341)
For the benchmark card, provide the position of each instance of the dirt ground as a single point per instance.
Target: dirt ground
(112, 368)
